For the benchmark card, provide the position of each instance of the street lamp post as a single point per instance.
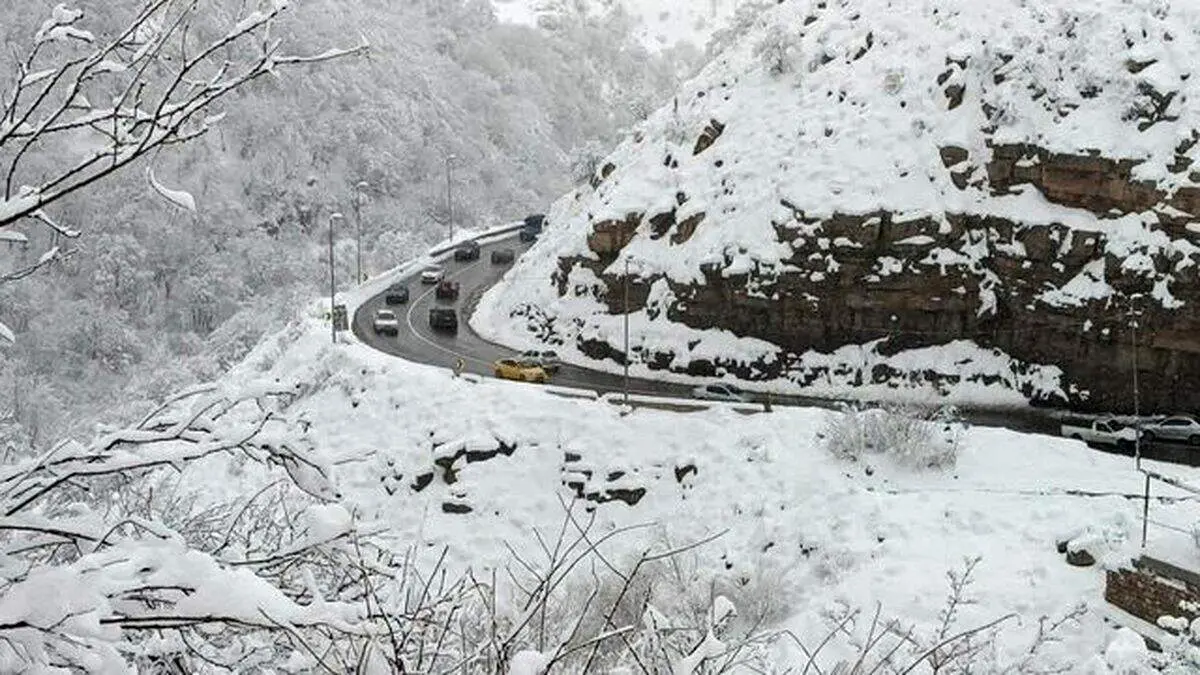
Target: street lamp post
(358, 188)
(625, 308)
(449, 197)
(1137, 408)
(332, 280)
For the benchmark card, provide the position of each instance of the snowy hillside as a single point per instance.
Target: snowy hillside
(855, 180)
(658, 24)
(433, 461)
(344, 471)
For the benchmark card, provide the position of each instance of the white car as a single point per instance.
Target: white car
(721, 392)
(433, 275)
(548, 360)
(386, 322)
(1177, 428)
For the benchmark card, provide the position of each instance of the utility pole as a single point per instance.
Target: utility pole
(332, 280)
(449, 197)
(1137, 408)
(625, 307)
(358, 188)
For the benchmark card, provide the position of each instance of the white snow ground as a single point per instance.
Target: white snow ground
(854, 126)
(802, 527)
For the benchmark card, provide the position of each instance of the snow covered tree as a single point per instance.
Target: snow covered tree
(509, 100)
(747, 15)
(777, 50)
(585, 161)
(83, 106)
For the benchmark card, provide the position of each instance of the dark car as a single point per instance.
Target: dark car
(467, 251)
(396, 295)
(532, 227)
(447, 290)
(443, 319)
(503, 256)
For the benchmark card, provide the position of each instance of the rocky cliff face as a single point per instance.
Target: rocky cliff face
(917, 282)
(1030, 198)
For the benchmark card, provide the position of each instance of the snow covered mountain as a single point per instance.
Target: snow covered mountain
(861, 194)
(658, 24)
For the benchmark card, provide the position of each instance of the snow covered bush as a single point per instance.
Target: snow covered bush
(568, 606)
(100, 572)
(862, 642)
(913, 437)
(777, 50)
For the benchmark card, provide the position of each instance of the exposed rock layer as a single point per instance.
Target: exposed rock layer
(968, 277)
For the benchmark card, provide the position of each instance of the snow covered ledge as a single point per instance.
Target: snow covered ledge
(1147, 589)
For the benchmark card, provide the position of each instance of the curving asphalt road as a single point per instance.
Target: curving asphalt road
(417, 342)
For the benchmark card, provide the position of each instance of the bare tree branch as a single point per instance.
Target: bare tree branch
(167, 90)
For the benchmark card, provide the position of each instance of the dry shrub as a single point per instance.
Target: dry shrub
(912, 436)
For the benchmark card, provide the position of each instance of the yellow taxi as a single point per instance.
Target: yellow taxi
(522, 371)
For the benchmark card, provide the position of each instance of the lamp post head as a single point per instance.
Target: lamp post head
(336, 216)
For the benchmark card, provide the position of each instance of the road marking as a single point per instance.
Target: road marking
(413, 329)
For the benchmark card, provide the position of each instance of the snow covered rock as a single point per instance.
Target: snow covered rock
(939, 198)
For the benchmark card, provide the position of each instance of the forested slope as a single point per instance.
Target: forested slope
(155, 296)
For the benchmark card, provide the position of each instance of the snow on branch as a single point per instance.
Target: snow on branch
(82, 580)
(179, 198)
(166, 87)
(47, 258)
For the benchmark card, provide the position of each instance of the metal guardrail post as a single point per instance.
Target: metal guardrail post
(1146, 511)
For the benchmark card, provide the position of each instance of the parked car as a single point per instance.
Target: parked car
(503, 256)
(511, 369)
(1175, 428)
(386, 322)
(1109, 431)
(548, 359)
(396, 295)
(468, 250)
(721, 392)
(444, 320)
(447, 290)
(433, 275)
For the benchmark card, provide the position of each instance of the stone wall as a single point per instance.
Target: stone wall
(1149, 589)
